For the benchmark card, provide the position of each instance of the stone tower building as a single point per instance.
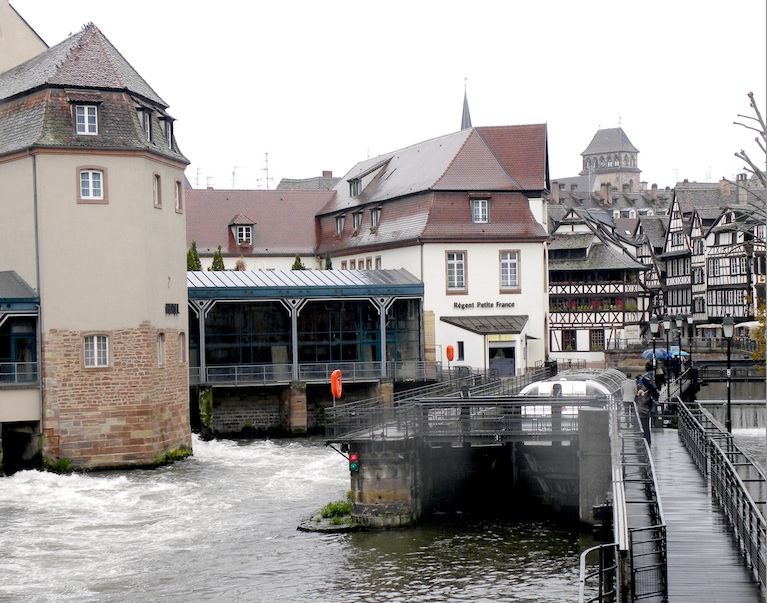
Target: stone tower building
(92, 222)
(611, 158)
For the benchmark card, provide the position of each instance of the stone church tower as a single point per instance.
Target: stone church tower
(611, 158)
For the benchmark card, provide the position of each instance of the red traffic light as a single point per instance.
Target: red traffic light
(354, 462)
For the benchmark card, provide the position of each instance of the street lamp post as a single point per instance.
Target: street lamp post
(667, 328)
(690, 335)
(728, 324)
(679, 323)
(654, 326)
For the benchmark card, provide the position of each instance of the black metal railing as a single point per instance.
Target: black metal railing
(639, 526)
(450, 406)
(737, 483)
(320, 372)
(605, 575)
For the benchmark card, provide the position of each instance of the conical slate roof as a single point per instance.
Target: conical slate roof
(84, 60)
(610, 140)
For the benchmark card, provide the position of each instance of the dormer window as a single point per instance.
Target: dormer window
(244, 235)
(375, 218)
(147, 120)
(86, 120)
(480, 211)
(340, 224)
(355, 187)
(169, 132)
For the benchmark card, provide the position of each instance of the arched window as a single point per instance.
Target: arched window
(617, 161)
(602, 162)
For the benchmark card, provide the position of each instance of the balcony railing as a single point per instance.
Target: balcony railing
(18, 373)
(314, 372)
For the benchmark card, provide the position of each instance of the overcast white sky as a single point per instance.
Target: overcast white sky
(323, 85)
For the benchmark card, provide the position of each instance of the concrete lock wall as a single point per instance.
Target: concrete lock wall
(387, 491)
(595, 461)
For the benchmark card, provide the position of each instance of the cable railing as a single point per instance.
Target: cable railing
(737, 484)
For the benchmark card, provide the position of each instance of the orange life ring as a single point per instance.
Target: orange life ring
(450, 351)
(335, 383)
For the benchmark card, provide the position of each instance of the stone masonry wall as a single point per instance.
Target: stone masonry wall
(122, 415)
(239, 409)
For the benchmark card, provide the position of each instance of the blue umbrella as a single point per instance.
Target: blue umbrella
(660, 354)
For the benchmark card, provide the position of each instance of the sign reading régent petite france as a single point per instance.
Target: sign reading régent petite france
(472, 305)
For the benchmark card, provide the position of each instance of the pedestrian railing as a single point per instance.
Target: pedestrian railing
(737, 484)
(639, 526)
(452, 407)
(320, 372)
(605, 575)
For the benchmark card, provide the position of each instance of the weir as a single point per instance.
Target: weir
(483, 447)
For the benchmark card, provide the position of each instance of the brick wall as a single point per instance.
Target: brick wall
(122, 415)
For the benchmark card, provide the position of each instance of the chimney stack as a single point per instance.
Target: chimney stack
(555, 188)
(724, 187)
(742, 180)
(654, 192)
(327, 173)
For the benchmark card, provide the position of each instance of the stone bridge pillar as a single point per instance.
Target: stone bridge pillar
(388, 490)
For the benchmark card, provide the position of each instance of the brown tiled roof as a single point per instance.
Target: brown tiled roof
(510, 218)
(509, 158)
(284, 220)
(522, 151)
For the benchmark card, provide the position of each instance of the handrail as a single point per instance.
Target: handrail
(733, 487)
(608, 573)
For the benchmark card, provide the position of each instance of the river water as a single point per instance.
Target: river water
(221, 526)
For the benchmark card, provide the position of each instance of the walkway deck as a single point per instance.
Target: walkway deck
(703, 561)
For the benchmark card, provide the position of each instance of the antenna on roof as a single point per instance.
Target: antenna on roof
(209, 180)
(266, 169)
(197, 178)
(234, 172)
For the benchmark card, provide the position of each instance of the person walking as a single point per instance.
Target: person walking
(645, 404)
(629, 388)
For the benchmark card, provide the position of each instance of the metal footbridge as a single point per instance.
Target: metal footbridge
(688, 511)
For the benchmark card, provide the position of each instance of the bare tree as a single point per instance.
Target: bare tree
(757, 125)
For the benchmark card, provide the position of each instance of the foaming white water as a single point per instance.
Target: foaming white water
(222, 526)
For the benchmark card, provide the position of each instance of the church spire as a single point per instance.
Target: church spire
(466, 117)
